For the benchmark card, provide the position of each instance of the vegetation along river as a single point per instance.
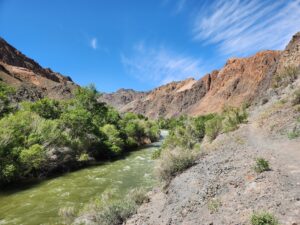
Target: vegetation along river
(40, 203)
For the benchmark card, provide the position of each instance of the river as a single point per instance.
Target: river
(40, 203)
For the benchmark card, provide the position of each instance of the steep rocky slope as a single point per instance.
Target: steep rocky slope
(223, 187)
(240, 80)
(29, 77)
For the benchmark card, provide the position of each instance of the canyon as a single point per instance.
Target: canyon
(241, 80)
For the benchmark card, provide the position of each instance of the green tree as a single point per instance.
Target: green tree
(46, 108)
(6, 93)
(114, 142)
(32, 158)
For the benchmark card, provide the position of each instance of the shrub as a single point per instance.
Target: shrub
(114, 142)
(261, 165)
(233, 117)
(115, 213)
(67, 131)
(181, 137)
(46, 108)
(213, 127)
(33, 157)
(263, 218)
(214, 205)
(6, 94)
(294, 134)
(296, 98)
(84, 157)
(156, 154)
(198, 125)
(286, 76)
(138, 195)
(68, 214)
(173, 162)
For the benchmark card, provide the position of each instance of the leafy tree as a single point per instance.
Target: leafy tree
(77, 122)
(87, 98)
(46, 108)
(6, 93)
(64, 132)
(32, 158)
(112, 116)
(114, 141)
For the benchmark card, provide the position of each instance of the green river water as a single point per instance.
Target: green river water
(40, 203)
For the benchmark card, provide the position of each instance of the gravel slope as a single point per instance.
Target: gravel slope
(222, 188)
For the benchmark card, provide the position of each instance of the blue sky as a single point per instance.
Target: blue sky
(141, 44)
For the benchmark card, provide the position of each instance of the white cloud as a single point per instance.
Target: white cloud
(241, 27)
(160, 65)
(93, 43)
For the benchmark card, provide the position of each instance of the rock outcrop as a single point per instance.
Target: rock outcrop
(29, 77)
(291, 55)
(237, 82)
(240, 80)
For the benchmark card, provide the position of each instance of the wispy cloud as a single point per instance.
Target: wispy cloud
(241, 27)
(177, 6)
(180, 5)
(93, 43)
(160, 65)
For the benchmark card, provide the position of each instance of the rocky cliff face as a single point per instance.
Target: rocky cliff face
(32, 80)
(240, 80)
(234, 84)
(291, 55)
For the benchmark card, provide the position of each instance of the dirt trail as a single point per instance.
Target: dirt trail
(223, 188)
(287, 151)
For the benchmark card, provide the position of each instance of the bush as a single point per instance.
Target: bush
(214, 205)
(233, 117)
(174, 162)
(6, 94)
(116, 212)
(113, 140)
(288, 75)
(138, 196)
(33, 157)
(294, 134)
(156, 154)
(296, 98)
(68, 132)
(182, 137)
(68, 214)
(198, 124)
(213, 127)
(261, 165)
(46, 108)
(263, 218)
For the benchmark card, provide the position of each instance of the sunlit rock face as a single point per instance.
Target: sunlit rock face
(18, 70)
(240, 80)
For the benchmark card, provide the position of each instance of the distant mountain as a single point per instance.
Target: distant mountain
(240, 80)
(32, 80)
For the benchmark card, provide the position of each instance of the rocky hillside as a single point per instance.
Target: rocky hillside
(224, 186)
(240, 80)
(32, 80)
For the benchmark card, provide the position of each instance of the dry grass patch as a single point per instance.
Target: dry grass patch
(173, 162)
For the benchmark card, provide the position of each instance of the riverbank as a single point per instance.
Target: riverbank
(40, 203)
